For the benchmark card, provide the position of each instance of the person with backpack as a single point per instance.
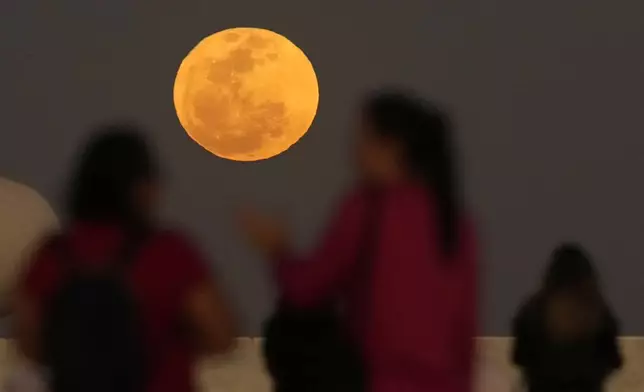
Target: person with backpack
(566, 334)
(114, 303)
(408, 302)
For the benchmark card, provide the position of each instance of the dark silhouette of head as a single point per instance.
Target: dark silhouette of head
(115, 178)
(570, 268)
(574, 305)
(416, 136)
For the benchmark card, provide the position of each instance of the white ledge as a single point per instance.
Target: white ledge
(242, 370)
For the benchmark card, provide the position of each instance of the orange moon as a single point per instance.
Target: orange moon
(246, 94)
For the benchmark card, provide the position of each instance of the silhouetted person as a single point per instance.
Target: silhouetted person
(566, 335)
(113, 302)
(408, 303)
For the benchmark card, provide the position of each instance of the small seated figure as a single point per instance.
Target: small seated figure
(565, 334)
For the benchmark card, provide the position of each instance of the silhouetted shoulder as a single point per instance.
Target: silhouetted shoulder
(528, 316)
(526, 332)
(612, 323)
(611, 328)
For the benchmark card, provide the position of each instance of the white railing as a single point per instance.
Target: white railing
(242, 370)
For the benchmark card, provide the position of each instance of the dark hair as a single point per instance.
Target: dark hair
(424, 132)
(113, 162)
(570, 265)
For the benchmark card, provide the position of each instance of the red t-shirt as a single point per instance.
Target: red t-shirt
(166, 267)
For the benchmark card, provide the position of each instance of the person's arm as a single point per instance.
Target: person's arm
(305, 281)
(203, 308)
(209, 319)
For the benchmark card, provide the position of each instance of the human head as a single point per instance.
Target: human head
(570, 269)
(574, 304)
(403, 136)
(115, 178)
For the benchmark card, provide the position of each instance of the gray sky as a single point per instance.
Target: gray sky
(547, 96)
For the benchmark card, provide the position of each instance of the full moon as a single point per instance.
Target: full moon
(246, 94)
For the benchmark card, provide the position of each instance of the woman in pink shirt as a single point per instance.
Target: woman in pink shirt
(412, 310)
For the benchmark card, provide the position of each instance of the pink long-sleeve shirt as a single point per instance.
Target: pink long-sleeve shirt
(412, 311)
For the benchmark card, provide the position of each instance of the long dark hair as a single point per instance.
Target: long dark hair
(424, 132)
(112, 163)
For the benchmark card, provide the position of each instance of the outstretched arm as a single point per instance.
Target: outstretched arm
(203, 307)
(307, 280)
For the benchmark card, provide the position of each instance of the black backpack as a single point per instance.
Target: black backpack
(92, 335)
(309, 350)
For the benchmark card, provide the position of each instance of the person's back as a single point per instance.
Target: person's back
(179, 310)
(161, 276)
(565, 335)
(421, 317)
(92, 334)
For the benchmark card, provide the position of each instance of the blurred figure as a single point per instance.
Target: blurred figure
(25, 217)
(114, 303)
(566, 335)
(409, 303)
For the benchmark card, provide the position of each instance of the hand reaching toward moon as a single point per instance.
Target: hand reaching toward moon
(266, 234)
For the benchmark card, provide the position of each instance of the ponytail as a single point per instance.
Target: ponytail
(424, 132)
